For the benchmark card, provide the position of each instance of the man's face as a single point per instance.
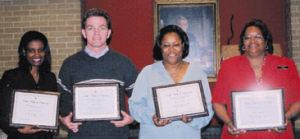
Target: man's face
(96, 32)
(183, 24)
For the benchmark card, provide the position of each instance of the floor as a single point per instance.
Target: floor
(209, 133)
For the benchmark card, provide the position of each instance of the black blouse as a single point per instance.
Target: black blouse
(19, 79)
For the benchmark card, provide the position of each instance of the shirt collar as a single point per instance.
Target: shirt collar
(94, 55)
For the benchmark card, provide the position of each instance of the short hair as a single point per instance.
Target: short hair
(101, 13)
(27, 38)
(267, 36)
(180, 17)
(157, 51)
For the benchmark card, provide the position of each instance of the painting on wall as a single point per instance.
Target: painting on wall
(200, 20)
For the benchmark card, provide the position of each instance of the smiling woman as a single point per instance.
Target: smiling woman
(256, 70)
(35, 53)
(172, 49)
(171, 46)
(254, 43)
(33, 73)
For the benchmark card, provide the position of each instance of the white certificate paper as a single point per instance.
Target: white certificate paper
(258, 110)
(35, 108)
(174, 100)
(96, 102)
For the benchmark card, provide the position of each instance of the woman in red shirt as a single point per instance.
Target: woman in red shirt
(256, 69)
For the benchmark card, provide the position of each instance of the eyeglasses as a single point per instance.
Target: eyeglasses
(256, 37)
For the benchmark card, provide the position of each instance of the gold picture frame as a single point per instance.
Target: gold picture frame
(202, 17)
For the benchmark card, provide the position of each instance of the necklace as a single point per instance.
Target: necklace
(174, 74)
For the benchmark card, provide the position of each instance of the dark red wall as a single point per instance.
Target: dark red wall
(132, 22)
(272, 12)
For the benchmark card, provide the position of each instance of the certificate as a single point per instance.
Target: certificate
(95, 102)
(35, 108)
(173, 101)
(258, 110)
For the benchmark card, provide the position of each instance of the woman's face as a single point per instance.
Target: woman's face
(35, 53)
(172, 48)
(254, 42)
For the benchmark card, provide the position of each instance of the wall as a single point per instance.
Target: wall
(271, 12)
(59, 20)
(132, 27)
(295, 32)
(293, 38)
(133, 23)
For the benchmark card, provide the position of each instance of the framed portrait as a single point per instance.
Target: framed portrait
(200, 20)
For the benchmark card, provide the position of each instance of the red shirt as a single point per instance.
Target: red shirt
(236, 74)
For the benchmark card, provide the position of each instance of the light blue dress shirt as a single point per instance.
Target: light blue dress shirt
(91, 54)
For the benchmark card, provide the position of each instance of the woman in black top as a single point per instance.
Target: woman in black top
(33, 73)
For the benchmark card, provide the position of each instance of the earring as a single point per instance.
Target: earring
(267, 47)
(23, 53)
(243, 48)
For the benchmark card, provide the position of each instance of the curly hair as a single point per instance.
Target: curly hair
(157, 51)
(265, 32)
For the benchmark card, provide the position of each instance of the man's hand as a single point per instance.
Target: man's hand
(127, 119)
(67, 122)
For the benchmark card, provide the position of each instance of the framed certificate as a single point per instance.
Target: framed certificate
(96, 102)
(35, 108)
(258, 110)
(173, 101)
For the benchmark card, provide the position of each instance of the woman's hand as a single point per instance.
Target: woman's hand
(31, 130)
(160, 122)
(186, 119)
(233, 131)
(67, 122)
(278, 131)
(221, 111)
(127, 119)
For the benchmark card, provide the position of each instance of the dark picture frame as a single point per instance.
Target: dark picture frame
(259, 109)
(96, 102)
(171, 101)
(202, 18)
(32, 107)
